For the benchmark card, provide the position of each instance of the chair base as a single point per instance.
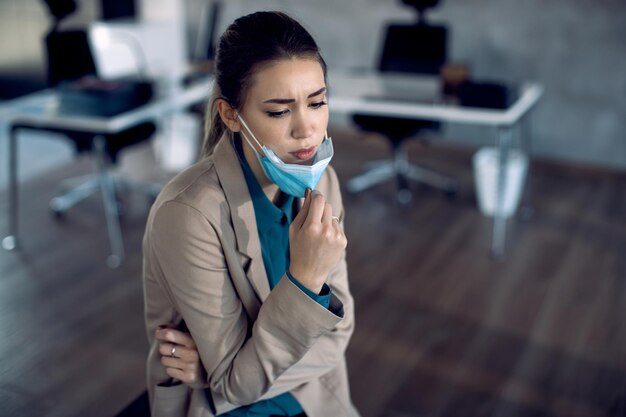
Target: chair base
(90, 184)
(105, 181)
(109, 185)
(402, 170)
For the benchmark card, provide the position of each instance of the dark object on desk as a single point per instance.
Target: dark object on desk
(420, 48)
(118, 9)
(485, 95)
(91, 96)
(452, 76)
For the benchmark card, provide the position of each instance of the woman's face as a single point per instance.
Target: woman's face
(286, 109)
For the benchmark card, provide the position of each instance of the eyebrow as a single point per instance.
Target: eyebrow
(292, 100)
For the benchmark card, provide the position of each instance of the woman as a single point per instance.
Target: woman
(235, 256)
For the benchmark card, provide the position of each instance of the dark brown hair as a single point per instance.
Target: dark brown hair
(247, 44)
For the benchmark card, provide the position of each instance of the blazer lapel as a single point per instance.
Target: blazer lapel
(238, 198)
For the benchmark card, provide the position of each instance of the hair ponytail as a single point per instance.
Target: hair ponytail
(214, 127)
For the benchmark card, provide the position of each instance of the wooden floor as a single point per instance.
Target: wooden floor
(442, 330)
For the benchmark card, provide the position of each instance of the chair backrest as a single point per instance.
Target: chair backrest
(68, 55)
(419, 48)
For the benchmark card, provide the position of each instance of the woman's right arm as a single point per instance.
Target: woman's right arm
(240, 367)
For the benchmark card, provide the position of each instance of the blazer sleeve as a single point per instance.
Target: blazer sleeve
(329, 349)
(241, 365)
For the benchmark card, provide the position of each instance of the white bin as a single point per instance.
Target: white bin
(486, 170)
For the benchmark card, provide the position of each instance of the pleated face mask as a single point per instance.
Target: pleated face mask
(292, 179)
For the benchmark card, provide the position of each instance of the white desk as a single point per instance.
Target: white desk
(352, 93)
(41, 111)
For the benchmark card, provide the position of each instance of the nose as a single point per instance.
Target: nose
(302, 126)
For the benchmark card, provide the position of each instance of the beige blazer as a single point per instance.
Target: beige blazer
(203, 265)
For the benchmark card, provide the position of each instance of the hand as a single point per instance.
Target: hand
(179, 355)
(316, 242)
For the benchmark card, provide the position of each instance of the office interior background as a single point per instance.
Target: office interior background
(443, 328)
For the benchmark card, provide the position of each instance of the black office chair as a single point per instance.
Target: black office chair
(408, 48)
(72, 72)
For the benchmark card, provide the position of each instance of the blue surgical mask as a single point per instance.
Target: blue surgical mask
(292, 179)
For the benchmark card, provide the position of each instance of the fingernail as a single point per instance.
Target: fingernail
(307, 192)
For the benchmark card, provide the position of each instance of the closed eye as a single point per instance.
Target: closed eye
(277, 113)
(315, 105)
(318, 104)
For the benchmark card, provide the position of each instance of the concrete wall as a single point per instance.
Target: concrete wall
(23, 25)
(575, 48)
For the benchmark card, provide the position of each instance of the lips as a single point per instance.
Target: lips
(304, 154)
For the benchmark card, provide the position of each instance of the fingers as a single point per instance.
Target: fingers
(179, 355)
(184, 365)
(327, 214)
(187, 377)
(185, 372)
(184, 339)
(167, 334)
(337, 224)
(316, 209)
(183, 362)
(184, 354)
(304, 211)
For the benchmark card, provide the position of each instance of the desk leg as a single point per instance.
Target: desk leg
(110, 208)
(527, 210)
(10, 241)
(498, 239)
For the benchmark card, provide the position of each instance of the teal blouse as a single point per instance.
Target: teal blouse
(273, 222)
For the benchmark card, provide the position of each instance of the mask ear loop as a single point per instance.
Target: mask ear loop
(251, 134)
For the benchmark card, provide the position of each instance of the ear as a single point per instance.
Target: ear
(228, 115)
